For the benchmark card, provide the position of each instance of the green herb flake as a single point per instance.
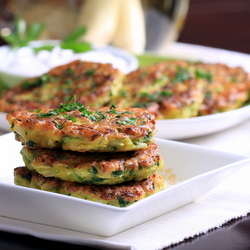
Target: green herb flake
(123, 93)
(143, 75)
(59, 125)
(30, 144)
(132, 172)
(69, 117)
(68, 81)
(27, 176)
(115, 149)
(98, 179)
(127, 121)
(37, 111)
(147, 138)
(122, 202)
(93, 170)
(39, 81)
(166, 93)
(69, 72)
(182, 75)
(89, 72)
(97, 116)
(208, 95)
(49, 114)
(203, 75)
(67, 107)
(114, 111)
(155, 96)
(117, 173)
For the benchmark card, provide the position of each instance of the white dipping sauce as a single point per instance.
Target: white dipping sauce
(24, 62)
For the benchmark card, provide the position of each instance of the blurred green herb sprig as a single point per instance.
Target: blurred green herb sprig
(24, 33)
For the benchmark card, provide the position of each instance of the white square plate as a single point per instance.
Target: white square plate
(191, 171)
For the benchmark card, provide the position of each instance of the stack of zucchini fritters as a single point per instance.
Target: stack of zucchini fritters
(168, 90)
(106, 154)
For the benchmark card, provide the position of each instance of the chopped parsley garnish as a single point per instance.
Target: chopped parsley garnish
(127, 121)
(49, 114)
(69, 117)
(37, 82)
(143, 74)
(97, 116)
(67, 107)
(208, 95)
(114, 111)
(155, 96)
(123, 93)
(182, 75)
(160, 80)
(203, 75)
(70, 72)
(68, 81)
(71, 106)
(89, 72)
(59, 125)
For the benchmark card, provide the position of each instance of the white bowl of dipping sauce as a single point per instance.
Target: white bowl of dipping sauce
(23, 63)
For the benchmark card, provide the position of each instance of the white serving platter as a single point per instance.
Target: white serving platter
(203, 125)
(190, 172)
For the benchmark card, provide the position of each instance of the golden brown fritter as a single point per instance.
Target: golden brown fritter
(170, 89)
(92, 83)
(227, 90)
(77, 128)
(120, 195)
(94, 168)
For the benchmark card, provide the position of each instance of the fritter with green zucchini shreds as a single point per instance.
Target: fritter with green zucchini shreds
(171, 89)
(120, 195)
(92, 83)
(228, 89)
(78, 128)
(94, 168)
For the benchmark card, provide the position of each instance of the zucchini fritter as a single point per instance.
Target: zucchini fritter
(170, 89)
(77, 128)
(94, 168)
(227, 90)
(92, 83)
(120, 195)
